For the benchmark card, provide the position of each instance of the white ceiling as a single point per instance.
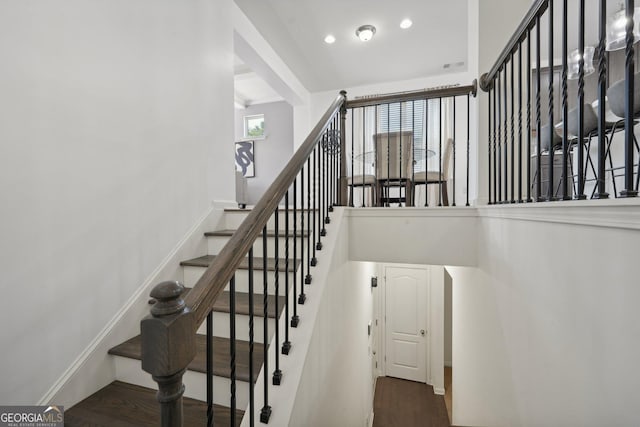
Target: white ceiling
(296, 30)
(250, 88)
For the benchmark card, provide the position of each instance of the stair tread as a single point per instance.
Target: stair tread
(221, 358)
(121, 404)
(222, 304)
(270, 233)
(206, 260)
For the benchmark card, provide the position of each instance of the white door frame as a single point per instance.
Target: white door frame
(381, 311)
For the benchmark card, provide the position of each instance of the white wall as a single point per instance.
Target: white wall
(336, 386)
(274, 151)
(545, 329)
(111, 116)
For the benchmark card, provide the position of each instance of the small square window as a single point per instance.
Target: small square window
(254, 126)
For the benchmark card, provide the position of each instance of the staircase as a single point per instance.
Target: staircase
(131, 400)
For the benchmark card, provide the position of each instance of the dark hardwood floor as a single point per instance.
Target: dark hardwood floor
(402, 403)
(125, 405)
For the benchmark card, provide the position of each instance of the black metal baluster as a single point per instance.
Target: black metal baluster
(364, 130)
(400, 174)
(324, 217)
(413, 151)
(538, 117)
(529, 199)
(209, 357)
(374, 197)
(302, 297)
(498, 131)
(550, 195)
(506, 138)
(307, 279)
(251, 340)
(440, 155)
(565, 105)
(286, 345)
(513, 136)
(629, 190)
(388, 154)
(602, 93)
(454, 153)
(489, 145)
(520, 122)
(468, 145)
(582, 172)
(496, 164)
(232, 347)
(265, 413)
(426, 152)
(277, 374)
(315, 244)
(353, 113)
(295, 319)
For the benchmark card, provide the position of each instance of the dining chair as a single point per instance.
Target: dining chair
(363, 181)
(394, 166)
(439, 177)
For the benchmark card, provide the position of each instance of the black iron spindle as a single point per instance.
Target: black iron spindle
(538, 116)
(388, 154)
(353, 113)
(426, 151)
(498, 131)
(413, 151)
(265, 413)
(232, 347)
(550, 195)
(506, 137)
(513, 129)
(295, 319)
(581, 166)
(519, 123)
(400, 148)
(307, 279)
(629, 190)
(209, 357)
(315, 243)
(529, 199)
(277, 373)
(286, 345)
(454, 154)
(602, 93)
(440, 154)
(490, 145)
(565, 105)
(362, 154)
(468, 145)
(302, 297)
(251, 340)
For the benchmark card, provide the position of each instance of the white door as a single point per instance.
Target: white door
(406, 323)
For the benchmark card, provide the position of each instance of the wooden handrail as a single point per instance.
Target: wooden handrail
(537, 8)
(205, 292)
(415, 95)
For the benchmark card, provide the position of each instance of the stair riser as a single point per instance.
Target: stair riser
(221, 323)
(234, 219)
(216, 243)
(129, 370)
(192, 274)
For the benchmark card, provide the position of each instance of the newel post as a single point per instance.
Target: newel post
(343, 151)
(168, 346)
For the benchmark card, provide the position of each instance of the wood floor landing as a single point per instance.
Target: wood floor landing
(221, 359)
(402, 403)
(125, 405)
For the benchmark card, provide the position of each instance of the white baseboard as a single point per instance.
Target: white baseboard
(438, 390)
(371, 419)
(93, 368)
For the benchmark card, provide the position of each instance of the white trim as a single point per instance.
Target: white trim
(138, 296)
(438, 390)
(371, 415)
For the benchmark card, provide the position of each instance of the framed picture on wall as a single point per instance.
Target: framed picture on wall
(245, 160)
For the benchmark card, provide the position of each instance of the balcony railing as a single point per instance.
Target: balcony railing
(562, 129)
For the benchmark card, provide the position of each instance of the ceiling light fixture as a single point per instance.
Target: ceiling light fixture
(406, 23)
(329, 39)
(365, 32)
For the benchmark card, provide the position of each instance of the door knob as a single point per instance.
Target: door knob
(422, 332)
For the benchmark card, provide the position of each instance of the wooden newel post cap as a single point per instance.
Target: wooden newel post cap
(168, 333)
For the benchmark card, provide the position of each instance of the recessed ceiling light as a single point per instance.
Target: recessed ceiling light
(365, 32)
(329, 39)
(406, 23)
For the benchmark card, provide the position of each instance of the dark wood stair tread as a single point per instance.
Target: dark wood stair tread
(206, 260)
(270, 233)
(221, 359)
(242, 304)
(126, 405)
